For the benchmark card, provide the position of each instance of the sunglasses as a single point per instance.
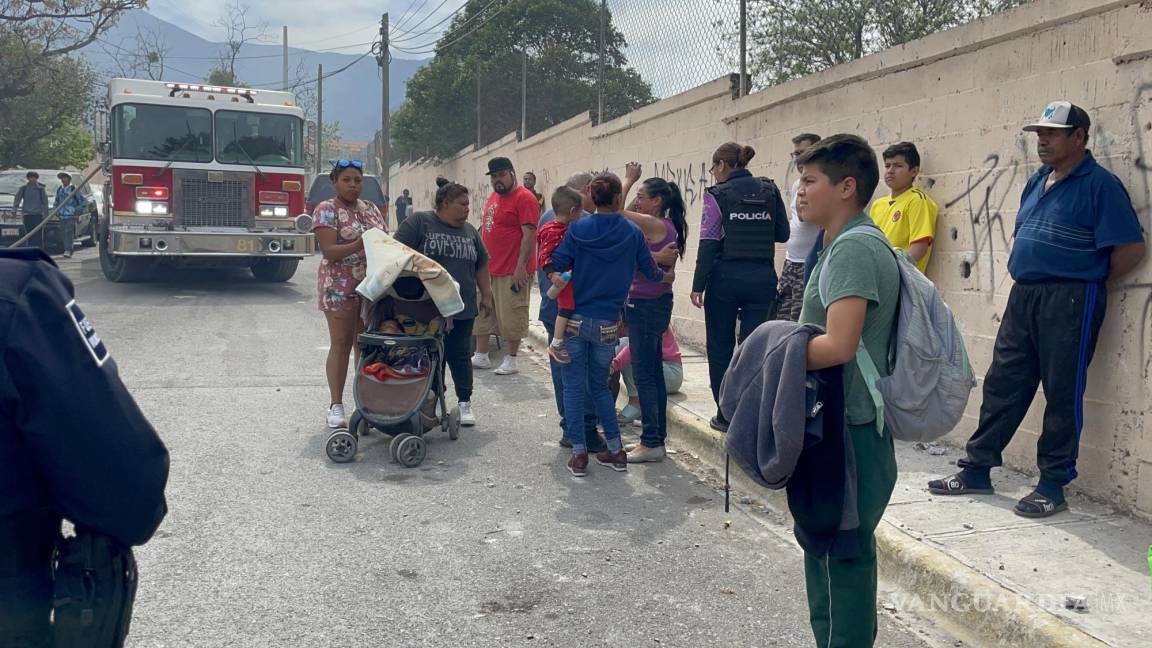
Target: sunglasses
(344, 164)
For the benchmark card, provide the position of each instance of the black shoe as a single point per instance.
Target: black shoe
(1035, 505)
(596, 443)
(719, 423)
(955, 485)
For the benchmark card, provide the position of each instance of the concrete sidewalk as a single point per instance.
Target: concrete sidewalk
(969, 563)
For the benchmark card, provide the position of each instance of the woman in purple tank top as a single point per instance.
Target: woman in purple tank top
(659, 212)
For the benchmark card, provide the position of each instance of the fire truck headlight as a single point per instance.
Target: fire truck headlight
(151, 207)
(267, 211)
(281, 212)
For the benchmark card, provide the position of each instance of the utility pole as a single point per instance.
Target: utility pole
(385, 112)
(285, 58)
(477, 103)
(319, 115)
(743, 48)
(600, 75)
(524, 99)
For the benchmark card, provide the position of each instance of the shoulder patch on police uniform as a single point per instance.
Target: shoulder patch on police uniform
(84, 327)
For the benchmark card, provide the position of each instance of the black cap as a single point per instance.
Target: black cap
(496, 165)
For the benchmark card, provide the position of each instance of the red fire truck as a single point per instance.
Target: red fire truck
(202, 175)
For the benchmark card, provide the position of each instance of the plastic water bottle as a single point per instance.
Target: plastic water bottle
(555, 290)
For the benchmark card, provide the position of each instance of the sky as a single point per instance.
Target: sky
(672, 43)
(355, 21)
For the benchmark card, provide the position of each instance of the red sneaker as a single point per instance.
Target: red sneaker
(617, 461)
(578, 465)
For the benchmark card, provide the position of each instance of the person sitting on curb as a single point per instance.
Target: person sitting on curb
(673, 370)
(604, 252)
(1076, 229)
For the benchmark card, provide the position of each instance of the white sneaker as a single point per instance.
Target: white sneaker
(481, 361)
(467, 418)
(336, 418)
(508, 367)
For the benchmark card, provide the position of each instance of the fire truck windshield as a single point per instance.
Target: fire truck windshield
(259, 138)
(167, 133)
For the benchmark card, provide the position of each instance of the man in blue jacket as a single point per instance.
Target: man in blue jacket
(69, 203)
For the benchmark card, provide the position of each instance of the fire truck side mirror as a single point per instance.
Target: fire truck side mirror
(101, 129)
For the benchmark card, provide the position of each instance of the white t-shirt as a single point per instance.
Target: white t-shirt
(803, 235)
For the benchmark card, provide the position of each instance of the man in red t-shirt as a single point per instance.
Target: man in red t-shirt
(508, 229)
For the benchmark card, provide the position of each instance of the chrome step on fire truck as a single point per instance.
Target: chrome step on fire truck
(204, 176)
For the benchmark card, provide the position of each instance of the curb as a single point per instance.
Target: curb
(949, 591)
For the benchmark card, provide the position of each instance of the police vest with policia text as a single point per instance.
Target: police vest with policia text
(749, 224)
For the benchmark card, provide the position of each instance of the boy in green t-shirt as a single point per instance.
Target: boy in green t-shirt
(837, 178)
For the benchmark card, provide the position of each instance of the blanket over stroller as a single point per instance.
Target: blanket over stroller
(389, 259)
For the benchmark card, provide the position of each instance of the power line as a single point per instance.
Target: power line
(311, 81)
(239, 58)
(440, 44)
(409, 13)
(321, 40)
(411, 33)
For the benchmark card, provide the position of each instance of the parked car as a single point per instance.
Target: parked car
(12, 223)
(322, 190)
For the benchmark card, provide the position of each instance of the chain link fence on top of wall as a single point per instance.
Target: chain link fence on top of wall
(677, 45)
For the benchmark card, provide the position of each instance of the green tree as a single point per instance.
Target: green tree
(794, 38)
(42, 121)
(69, 146)
(33, 32)
(561, 39)
(222, 77)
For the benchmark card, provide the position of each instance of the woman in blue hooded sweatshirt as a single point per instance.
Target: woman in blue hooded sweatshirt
(604, 252)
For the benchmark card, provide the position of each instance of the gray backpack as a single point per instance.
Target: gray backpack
(925, 396)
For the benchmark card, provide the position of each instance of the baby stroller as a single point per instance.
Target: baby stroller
(399, 382)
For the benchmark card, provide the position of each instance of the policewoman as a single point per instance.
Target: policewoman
(73, 445)
(735, 281)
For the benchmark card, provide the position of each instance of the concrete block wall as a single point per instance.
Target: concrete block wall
(962, 96)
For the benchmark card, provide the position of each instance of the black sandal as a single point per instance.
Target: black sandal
(954, 485)
(1035, 505)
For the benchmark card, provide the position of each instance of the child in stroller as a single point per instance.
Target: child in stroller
(399, 382)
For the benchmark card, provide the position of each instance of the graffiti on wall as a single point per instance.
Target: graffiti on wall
(987, 193)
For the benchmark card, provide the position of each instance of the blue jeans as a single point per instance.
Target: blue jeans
(647, 321)
(558, 390)
(591, 356)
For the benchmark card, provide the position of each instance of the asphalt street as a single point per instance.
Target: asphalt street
(489, 543)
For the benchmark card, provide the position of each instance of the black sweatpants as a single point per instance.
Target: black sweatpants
(1048, 336)
(458, 356)
(737, 290)
(30, 223)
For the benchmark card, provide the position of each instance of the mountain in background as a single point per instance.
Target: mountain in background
(351, 97)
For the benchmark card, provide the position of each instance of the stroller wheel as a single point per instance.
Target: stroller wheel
(411, 450)
(453, 424)
(396, 444)
(341, 446)
(358, 425)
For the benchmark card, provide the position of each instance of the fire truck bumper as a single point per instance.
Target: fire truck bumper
(211, 244)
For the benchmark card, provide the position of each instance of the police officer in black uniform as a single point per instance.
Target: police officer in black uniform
(73, 443)
(744, 219)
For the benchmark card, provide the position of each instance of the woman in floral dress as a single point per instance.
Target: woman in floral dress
(338, 225)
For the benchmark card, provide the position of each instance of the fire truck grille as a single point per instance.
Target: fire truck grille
(213, 204)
